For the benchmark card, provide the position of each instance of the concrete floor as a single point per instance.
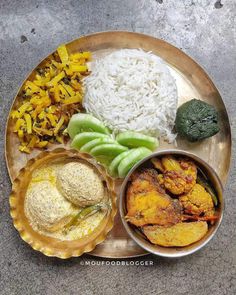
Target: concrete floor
(204, 29)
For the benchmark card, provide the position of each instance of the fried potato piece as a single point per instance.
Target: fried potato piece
(147, 202)
(197, 201)
(178, 235)
(47, 103)
(179, 175)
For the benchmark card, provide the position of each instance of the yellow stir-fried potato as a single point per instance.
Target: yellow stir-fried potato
(49, 100)
(178, 235)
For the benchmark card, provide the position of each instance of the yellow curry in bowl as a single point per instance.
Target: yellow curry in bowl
(62, 203)
(171, 201)
(66, 201)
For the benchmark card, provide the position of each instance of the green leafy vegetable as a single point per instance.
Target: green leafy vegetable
(196, 120)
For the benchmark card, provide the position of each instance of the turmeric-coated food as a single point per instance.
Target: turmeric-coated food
(178, 235)
(171, 201)
(49, 99)
(147, 202)
(179, 175)
(197, 201)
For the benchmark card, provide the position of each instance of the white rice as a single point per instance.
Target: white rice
(134, 90)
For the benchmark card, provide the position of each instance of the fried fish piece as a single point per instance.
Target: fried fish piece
(147, 202)
(179, 175)
(197, 201)
(178, 235)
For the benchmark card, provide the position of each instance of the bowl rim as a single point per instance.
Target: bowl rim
(30, 236)
(130, 230)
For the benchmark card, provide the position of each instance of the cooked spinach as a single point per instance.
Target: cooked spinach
(196, 120)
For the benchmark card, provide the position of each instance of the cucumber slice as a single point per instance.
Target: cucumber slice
(108, 150)
(84, 122)
(91, 144)
(113, 167)
(128, 162)
(104, 160)
(83, 138)
(133, 139)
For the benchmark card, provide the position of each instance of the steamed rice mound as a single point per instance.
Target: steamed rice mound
(80, 184)
(134, 90)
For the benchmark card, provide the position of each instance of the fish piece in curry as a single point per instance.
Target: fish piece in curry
(148, 203)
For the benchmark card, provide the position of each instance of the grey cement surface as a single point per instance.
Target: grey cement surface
(204, 29)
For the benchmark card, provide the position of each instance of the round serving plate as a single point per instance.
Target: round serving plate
(192, 82)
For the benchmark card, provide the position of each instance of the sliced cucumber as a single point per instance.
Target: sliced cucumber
(128, 162)
(85, 137)
(104, 160)
(108, 150)
(113, 167)
(133, 139)
(93, 143)
(84, 122)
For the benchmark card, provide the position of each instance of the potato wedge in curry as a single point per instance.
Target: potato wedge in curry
(178, 235)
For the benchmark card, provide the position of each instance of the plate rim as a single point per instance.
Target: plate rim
(121, 32)
(168, 44)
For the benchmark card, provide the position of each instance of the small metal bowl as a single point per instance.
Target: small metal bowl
(51, 246)
(173, 252)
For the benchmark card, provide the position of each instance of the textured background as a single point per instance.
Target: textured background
(204, 29)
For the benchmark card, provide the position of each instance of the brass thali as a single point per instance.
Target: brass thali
(192, 82)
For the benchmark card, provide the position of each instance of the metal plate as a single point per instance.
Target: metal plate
(192, 82)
